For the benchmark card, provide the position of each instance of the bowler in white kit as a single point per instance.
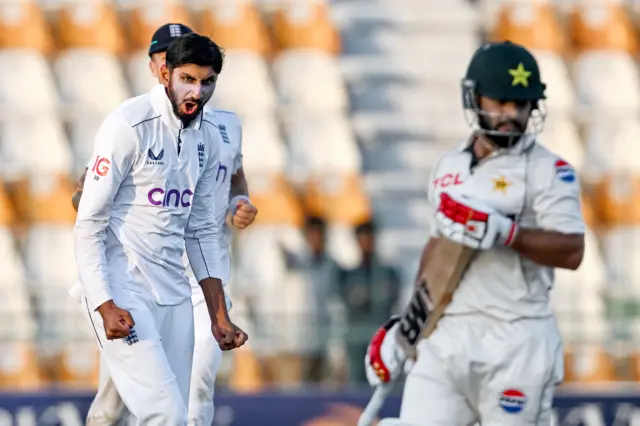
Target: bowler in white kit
(150, 191)
(107, 408)
(496, 355)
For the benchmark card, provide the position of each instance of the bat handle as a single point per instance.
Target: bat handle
(371, 411)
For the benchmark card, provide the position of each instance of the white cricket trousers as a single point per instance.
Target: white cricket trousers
(474, 368)
(151, 368)
(207, 356)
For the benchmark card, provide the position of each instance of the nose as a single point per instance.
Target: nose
(511, 109)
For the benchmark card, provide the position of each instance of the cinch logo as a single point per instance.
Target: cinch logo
(160, 197)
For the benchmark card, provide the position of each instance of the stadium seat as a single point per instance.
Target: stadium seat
(145, 18)
(612, 171)
(77, 364)
(338, 197)
(37, 148)
(577, 297)
(602, 25)
(82, 135)
(7, 209)
(309, 81)
(607, 83)
(588, 363)
(49, 256)
(24, 26)
(322, 144)
(91, 80)
(305, 25)
(560, 135)
(263, 164)
(531, 24)
(235, 25)
(35, 92)
(140, 77)
(89, 25)
(555, 74)
(245, 85)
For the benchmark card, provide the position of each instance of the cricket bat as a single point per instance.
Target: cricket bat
(440, 277)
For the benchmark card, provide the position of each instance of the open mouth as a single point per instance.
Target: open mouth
(190, 107)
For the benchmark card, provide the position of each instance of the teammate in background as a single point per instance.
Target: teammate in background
(107, 406)
(496, 355)
(150, 192)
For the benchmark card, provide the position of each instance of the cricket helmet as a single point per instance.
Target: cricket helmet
(503, 71)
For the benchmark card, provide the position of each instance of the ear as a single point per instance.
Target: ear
(164, 75)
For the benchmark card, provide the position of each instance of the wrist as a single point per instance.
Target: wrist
(508, 232)
(233, 203)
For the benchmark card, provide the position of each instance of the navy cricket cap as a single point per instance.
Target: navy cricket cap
(164, 35)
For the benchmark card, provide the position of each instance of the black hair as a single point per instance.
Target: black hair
(315, 222)
(365, 228)
(194, 49)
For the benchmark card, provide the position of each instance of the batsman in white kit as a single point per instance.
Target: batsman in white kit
(150, 191)
(495, 355)
(107, 408)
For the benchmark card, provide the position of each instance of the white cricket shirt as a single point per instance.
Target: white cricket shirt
(149, 192)
(527, 183)
(230, 131)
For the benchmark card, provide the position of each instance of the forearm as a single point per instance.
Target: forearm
(424, 258)
(239, 185)
(75, 200)
(215, 299)
(550, 248)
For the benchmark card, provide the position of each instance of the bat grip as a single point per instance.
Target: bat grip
(371, 411)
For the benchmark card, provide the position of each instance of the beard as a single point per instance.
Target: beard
(193, 106)
(509, 137)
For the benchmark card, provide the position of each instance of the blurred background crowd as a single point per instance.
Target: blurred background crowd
(346, 105)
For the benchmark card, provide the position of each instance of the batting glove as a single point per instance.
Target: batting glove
(471, 223)
(385, 359)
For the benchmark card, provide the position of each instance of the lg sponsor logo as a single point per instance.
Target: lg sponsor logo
(170, 198)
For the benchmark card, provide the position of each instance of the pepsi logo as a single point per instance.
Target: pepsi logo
(565, 172)
(512, 401)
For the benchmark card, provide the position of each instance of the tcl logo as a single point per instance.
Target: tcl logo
(172, 197)
(101, 166)
(447, 180)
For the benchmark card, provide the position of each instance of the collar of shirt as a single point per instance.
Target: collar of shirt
(162, 105)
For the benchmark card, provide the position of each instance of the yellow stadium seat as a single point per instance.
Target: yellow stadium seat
(92, 25)
(588, 364)
(19, 367)
(305, 24)
(7, 209)
(247, 376)
(144, 20)
(617, 200)
(602, 26)
(23, 26)
(531, 24)
(78, 365)
(276, 201)
(49, 201)
(235, 25)
(340, 199)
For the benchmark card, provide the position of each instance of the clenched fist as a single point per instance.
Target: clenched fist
(245, 213)
(228, 335)
(117, 322)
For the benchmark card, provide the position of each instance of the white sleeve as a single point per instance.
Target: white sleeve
(114, 152)
(556, 201)
(203, 233)
(237, 163)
